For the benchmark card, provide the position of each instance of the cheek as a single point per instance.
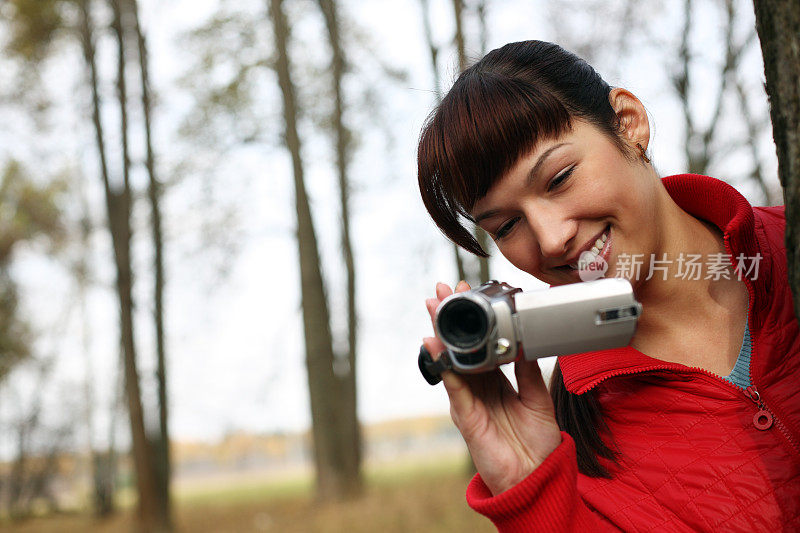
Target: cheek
(591, 197)
(522, 254)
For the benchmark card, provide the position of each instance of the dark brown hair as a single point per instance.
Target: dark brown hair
(581, 417)
(493, 115)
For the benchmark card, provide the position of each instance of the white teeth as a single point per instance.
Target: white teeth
(595, 250)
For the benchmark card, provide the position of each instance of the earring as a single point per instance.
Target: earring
(642, 153)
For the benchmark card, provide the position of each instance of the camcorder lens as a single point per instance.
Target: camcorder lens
(463, 323)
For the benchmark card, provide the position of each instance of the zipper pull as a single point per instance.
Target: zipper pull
(762, 420)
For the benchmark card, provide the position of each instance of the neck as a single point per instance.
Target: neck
(670, 300)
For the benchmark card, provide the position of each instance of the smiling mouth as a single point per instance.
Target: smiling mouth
(598, 249)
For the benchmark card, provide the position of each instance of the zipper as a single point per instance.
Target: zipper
(764, 418)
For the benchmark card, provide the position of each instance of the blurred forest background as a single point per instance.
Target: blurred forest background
(213, 258)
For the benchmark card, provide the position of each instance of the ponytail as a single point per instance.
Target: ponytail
(581, 417)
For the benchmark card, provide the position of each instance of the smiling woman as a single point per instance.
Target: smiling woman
(532, 145)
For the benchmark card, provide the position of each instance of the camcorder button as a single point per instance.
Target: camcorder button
(502, 346)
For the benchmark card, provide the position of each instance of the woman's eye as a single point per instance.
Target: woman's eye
(504, 230)
(561, 178)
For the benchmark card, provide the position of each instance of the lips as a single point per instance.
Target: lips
(597, 246)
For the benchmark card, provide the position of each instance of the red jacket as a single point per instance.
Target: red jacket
(692, 456)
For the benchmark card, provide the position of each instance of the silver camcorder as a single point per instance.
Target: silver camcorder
(496, 323)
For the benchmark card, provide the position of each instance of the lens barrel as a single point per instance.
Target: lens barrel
(463, 323)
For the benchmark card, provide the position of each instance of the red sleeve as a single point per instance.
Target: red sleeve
(547, 500)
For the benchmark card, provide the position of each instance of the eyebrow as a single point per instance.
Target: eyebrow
(531, 176)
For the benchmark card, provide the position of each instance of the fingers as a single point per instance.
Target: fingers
(434, 346)
(532, 389)
(431, 304)
(491, 386)
(443, 291)
(462, 286)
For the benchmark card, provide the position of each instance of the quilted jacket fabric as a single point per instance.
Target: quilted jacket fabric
(692, 456)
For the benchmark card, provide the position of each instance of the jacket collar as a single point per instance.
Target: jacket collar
(703, 197)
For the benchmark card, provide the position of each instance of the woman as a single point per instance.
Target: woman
(695, 425)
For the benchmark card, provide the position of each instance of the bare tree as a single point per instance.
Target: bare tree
(118, 206)
(162, 443)
(330, 455)
(473, 270)
(463, 62)
(703, 143)
(349, 431)
(778, 24)
(698, 139)
(437, 83)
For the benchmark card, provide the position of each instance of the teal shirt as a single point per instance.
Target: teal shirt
(740, 375)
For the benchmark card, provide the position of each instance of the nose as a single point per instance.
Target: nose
(553, 231)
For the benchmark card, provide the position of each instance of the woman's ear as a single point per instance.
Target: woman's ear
(632, 116)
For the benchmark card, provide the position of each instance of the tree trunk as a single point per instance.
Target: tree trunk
(437, 83)
(118, 205)
(480, 235)
(778, 24)
(162, 446)
(461, 47)
(349, 432)
(119, 217)
(702, 142)
(329, 457)
(697, 143)
(480, 12)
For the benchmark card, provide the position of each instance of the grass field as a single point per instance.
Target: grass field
(398, 498)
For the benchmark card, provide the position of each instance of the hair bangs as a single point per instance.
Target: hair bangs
(479, 131)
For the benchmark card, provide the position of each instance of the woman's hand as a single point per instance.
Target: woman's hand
(508, 434)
